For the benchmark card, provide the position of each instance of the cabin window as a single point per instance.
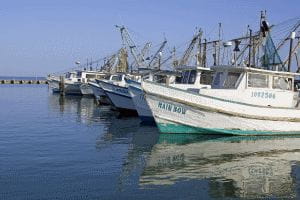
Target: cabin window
(102, 76)
(282, 83)
(68, 75)
(231, 80)
(206, 78)
(192, 77)
(258, 80)
(217, 79)
(160, 79)
(90, 76)
(185, 77)
(78, 74)
(116, 78)
(178, 79)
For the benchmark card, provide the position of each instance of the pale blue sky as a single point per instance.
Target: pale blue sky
(43, 36)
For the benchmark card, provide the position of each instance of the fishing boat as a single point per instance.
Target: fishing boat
(244, 99)
(117, 92)
(71, 84)
(187, 78)
(75, 82)
(88, 77)
(98, 91)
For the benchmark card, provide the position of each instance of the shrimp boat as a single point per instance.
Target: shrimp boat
(117, 92)
(243, 100)
(88, 77)
(188, 79)
(99, 92)
(75, 82)
(71, 83)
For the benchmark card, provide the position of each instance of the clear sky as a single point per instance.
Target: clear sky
(43, 36)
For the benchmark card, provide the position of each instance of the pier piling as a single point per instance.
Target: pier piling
(62, 85)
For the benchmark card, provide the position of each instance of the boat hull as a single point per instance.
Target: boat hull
(174, 116)
(99, 94)
(86, 90)
(119, 97)
(72, 89)
(140, 104)
(54, 85)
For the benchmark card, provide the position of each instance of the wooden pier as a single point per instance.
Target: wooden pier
(23, 82)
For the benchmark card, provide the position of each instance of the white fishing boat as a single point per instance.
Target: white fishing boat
(117, 92)
(242, 101)
(88, 77)
(188, 79)
(254, 97)
(98, 91)
(71, 84)
(75, 82)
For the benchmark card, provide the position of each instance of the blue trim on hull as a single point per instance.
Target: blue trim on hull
(178, 128)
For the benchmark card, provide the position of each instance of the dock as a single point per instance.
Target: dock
(13, 81)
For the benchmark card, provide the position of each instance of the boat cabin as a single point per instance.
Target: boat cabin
(84, 76)
(254, 85)
(193, 77)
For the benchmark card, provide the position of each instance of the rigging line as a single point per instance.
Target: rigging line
(84, 65)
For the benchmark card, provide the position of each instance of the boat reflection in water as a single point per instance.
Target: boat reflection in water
(84, 108)
(250, 167)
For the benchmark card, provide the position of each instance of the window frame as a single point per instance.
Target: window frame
(267, 78)
(236, 81)
(291, 79)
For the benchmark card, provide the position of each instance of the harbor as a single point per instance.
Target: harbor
(254, 90)
(137, 107)
(65, 140)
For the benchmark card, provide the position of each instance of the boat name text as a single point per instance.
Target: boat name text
(171, 108)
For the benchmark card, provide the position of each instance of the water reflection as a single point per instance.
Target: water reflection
(250, 167)
(84, 107)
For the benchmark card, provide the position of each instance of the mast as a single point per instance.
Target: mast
(187, 54)
(250, 46)
(199, 53)
(157, 55)
(126, 38)
(298, 62)
(204, 53)
(219, 44)
(293, 34)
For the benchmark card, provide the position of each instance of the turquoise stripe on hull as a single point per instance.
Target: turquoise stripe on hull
(178, 128)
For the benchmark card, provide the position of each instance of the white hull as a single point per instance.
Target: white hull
(54, 85)
(119, 96)
(97, 90)
(140, 103)
(173, 114)
(86, 89)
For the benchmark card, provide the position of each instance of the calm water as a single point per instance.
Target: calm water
(68, 148)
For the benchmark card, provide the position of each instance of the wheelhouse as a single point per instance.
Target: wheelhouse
(252, 78)
(198, 76)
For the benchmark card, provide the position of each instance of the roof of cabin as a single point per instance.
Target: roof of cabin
(194, 67)
(251, 69)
